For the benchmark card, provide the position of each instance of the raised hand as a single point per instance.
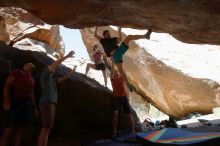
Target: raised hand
(71, 53)
(119, 28)
(74, 67)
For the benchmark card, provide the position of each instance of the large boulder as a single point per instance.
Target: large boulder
(167, 88)
(191, 21)
(4, 37)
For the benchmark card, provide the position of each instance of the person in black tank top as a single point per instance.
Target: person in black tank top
(109, 45)
(115, 52)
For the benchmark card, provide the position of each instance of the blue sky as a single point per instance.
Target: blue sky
(73, 41)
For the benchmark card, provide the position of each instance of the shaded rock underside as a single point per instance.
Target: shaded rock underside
(187, 20)
(83, 111)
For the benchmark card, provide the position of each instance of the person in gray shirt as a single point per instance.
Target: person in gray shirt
(48, 98)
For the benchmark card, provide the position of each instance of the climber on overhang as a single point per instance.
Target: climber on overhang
(116, 52)
(98, 58)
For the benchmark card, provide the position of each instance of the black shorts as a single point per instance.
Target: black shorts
(19, 115)
(100, 66)
(119, 102)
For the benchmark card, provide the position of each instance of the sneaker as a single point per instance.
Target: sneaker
(148, 33)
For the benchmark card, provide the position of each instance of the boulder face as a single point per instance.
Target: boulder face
(3, 33)
(187, 20)
(168, 89)
(21, 24)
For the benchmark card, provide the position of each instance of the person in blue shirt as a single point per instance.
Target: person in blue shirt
(48, 98)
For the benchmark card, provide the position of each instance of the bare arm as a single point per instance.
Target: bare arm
(33, 97)
(36, 113)
(124, 76)
(67, 76)
(60, 60)
(119, 39)
(112, 69)
(122, 73)
(105, 59)
(6, 92)
(96, 35)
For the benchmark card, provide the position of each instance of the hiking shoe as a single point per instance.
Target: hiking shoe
(148, 33)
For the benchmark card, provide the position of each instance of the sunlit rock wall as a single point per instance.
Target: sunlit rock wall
(3, 33)
(20, 24)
